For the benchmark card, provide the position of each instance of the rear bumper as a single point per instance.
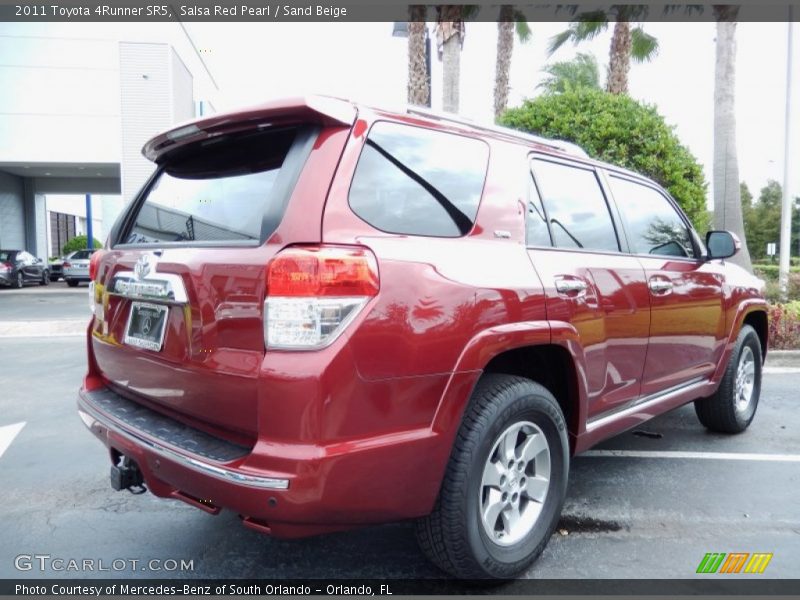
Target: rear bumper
(320, 489)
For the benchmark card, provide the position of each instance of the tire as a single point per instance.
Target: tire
(455, 536)
(731, 409)
(72, 283)
(53, 278)
(19, 282)
(45, 278)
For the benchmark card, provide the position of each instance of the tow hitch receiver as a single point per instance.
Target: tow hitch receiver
(125, 475)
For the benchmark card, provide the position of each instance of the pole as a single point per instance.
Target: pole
(786, 205)
(89, 233)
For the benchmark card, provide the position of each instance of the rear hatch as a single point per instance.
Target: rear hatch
(179, 293)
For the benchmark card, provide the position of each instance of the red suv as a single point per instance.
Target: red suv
(321, 315)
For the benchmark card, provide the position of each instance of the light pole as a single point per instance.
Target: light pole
(786, 205)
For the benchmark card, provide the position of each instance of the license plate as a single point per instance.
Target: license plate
(146, 325)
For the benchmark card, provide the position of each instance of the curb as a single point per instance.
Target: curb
(783, 358)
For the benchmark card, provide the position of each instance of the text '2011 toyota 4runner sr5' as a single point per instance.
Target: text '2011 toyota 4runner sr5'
(321, 315)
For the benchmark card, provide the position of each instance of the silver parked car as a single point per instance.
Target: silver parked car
(76, 267)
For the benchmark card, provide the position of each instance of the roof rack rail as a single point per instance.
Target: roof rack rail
(568, 147)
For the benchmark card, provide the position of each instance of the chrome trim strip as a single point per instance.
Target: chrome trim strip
(644, 403)
(90, 416)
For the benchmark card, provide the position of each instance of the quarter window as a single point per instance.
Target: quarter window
(653, 224)
(418, 181)
(577, 211)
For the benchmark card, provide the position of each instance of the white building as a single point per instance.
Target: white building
(79, 101)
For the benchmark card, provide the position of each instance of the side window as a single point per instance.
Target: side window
(418, 181)
(536, 231)
(576, 207)
(653, 224)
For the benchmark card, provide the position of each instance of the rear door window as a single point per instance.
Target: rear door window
(417, 181)
(652, 223)
(576, 207)
(218, 190)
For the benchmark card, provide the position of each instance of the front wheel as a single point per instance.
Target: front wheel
(733, 406)
(72, 283)
(45, 278)
(504, 487)
(19, 281)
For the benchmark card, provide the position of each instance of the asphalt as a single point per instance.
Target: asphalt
(625, 516)
(56, 301)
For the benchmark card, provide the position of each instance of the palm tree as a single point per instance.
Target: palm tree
(580, 72)
(449, 41)
(419, 92)
(509, 20)
(727, 192)
(626, 43)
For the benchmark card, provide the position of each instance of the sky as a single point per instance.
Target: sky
(362, 61)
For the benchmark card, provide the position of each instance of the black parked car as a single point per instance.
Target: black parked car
(18, 267)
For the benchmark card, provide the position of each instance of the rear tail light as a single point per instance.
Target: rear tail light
(314, 292)
(66, 265)
(95, 299)
(93, 262)
(5, 266)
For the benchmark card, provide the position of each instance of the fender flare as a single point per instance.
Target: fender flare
(745, 308)
(490, 343)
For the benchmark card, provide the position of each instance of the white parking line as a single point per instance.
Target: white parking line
(700, 455)
(7, 435)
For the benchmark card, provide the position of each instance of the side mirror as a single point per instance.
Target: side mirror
(722, 244)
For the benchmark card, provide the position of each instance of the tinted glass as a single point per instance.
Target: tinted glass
(653, 224)
(82, 254)
(418, 181)
(536, 232)
(215, 192)
(576, 207)
(8, 255)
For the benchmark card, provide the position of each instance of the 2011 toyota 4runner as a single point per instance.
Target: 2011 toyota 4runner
(321, 315)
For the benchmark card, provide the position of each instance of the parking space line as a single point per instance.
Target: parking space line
(7, 435)
(696, 455)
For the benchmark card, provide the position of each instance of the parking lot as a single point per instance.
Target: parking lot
(670, 492)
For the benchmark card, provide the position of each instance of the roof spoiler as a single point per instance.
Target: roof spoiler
(315, 109)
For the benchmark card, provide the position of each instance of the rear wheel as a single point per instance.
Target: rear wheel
(732, 408)
(504, 487)
(72, 283)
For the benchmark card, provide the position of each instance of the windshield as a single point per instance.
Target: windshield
(217, 191)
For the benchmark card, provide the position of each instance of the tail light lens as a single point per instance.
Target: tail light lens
(5, 266)
(66, 265)
(95, 300)
(314, 292)
(94, 260)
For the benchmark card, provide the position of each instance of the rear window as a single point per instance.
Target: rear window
(418, 181)
(219, 190)
(8, 255)
(82, 254)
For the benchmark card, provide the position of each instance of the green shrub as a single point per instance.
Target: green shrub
(79, 242)
(771, 272)
(619, 130)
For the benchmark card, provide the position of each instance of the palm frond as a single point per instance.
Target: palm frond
(470, 11)
(558, 40)
(522, 27)
(644, 46)
(589, 24)
(686, 9)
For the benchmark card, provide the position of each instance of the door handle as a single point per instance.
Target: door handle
(571, 286)
(660, 286)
